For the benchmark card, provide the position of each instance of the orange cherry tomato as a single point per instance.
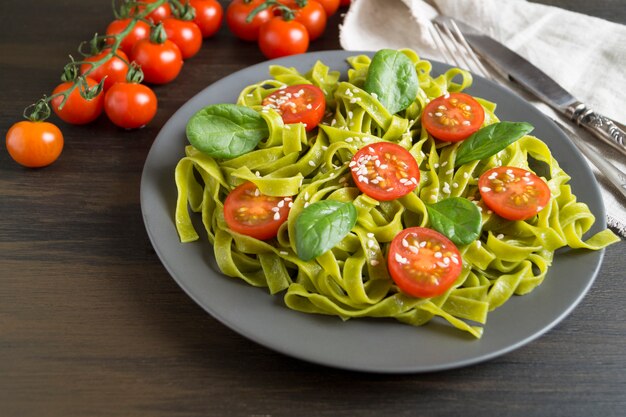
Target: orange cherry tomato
(251, 213)
(384, 171)
(76, 109)
(513, 193)
(423, 262)
(34, 144)
(453, 117)
(114, 69)
(302, 103)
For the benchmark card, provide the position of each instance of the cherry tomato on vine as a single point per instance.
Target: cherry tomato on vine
(251, 213)
(302, 103)
(185, 34)
(130, 105)
(236, 14)
(77, 110)
(278, 37)
(513, 193)
(312, 16)
(209, 14)
(453, 117)
(114, 69)
(160, 59)
(384, 171)
(423, 262)
(157, 15)
(34, 144)
(141, 30)
(330, 6)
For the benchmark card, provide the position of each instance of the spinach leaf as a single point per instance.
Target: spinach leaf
(321, 226)
(392, 77)
(456, 218)
(490, 140)
(226, 130)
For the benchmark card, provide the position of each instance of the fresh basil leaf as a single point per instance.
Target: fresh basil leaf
(392, 77)
(490, 140)
(457, 218)
(321, 226)
(226, 130)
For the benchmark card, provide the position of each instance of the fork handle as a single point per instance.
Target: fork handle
(600, 126)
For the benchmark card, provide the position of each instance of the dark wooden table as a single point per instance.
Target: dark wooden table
(91, 324)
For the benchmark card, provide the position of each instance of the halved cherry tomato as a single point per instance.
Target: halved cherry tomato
(312, 16)
(130, 105)
(236, 14)
(185, 34)
(141, 30)
(279, 37)
(76, 109)
(251, 213)
(453, 117)
(34, 144)
(385, 171)
(302, 103)
(157, 15)
(513, 193)
(209, 15)
(114, 69)
(423, 262)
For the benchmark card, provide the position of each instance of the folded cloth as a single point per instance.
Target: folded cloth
(584, 54)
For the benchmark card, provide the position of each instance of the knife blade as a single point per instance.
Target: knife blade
(519, 70)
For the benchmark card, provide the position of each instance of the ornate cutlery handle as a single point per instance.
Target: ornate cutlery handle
(600, 126)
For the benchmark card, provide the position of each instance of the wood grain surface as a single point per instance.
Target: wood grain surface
(91, 324)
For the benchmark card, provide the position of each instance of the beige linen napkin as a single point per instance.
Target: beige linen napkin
(584, 54)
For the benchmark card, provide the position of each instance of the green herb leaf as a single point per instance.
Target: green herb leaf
(226, 130)
(321, 226)
(490, 140)
(456, 218)
(392, 77)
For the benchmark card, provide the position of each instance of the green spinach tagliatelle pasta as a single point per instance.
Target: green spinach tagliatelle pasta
(351, 280)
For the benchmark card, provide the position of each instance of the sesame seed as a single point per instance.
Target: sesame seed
(485, 189)
(500, 236)
(281, 204)
(450, 171)
(438, 255)
(435, 165)
(438, 114)
(374, 262)
(312, 163)
(306, 204)
(465, 122)
(284, 253)
(349, 140)
(275, 209)
(479, 243)
(277, 216)
(400, 259)
(257, 192)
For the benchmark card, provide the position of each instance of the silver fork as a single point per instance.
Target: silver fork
(457, 51)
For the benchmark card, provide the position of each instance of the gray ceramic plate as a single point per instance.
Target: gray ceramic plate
(373, 345)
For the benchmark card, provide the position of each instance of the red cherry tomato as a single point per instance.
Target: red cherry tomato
(278, 37)
(141, 30)
(76, 109)
(209, 14)
(130, 105)
(185, 34)
(34, 144)
(236, 14)
(115, 69)
(303, 103)
(251, 213)
(453, 117)
(513, 193)
(157, 15)
(423, 262)
(312, 16)
(330, 6)
(384, 171)
(160, 62)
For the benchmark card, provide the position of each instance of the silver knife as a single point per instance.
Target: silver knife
(518, 69)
